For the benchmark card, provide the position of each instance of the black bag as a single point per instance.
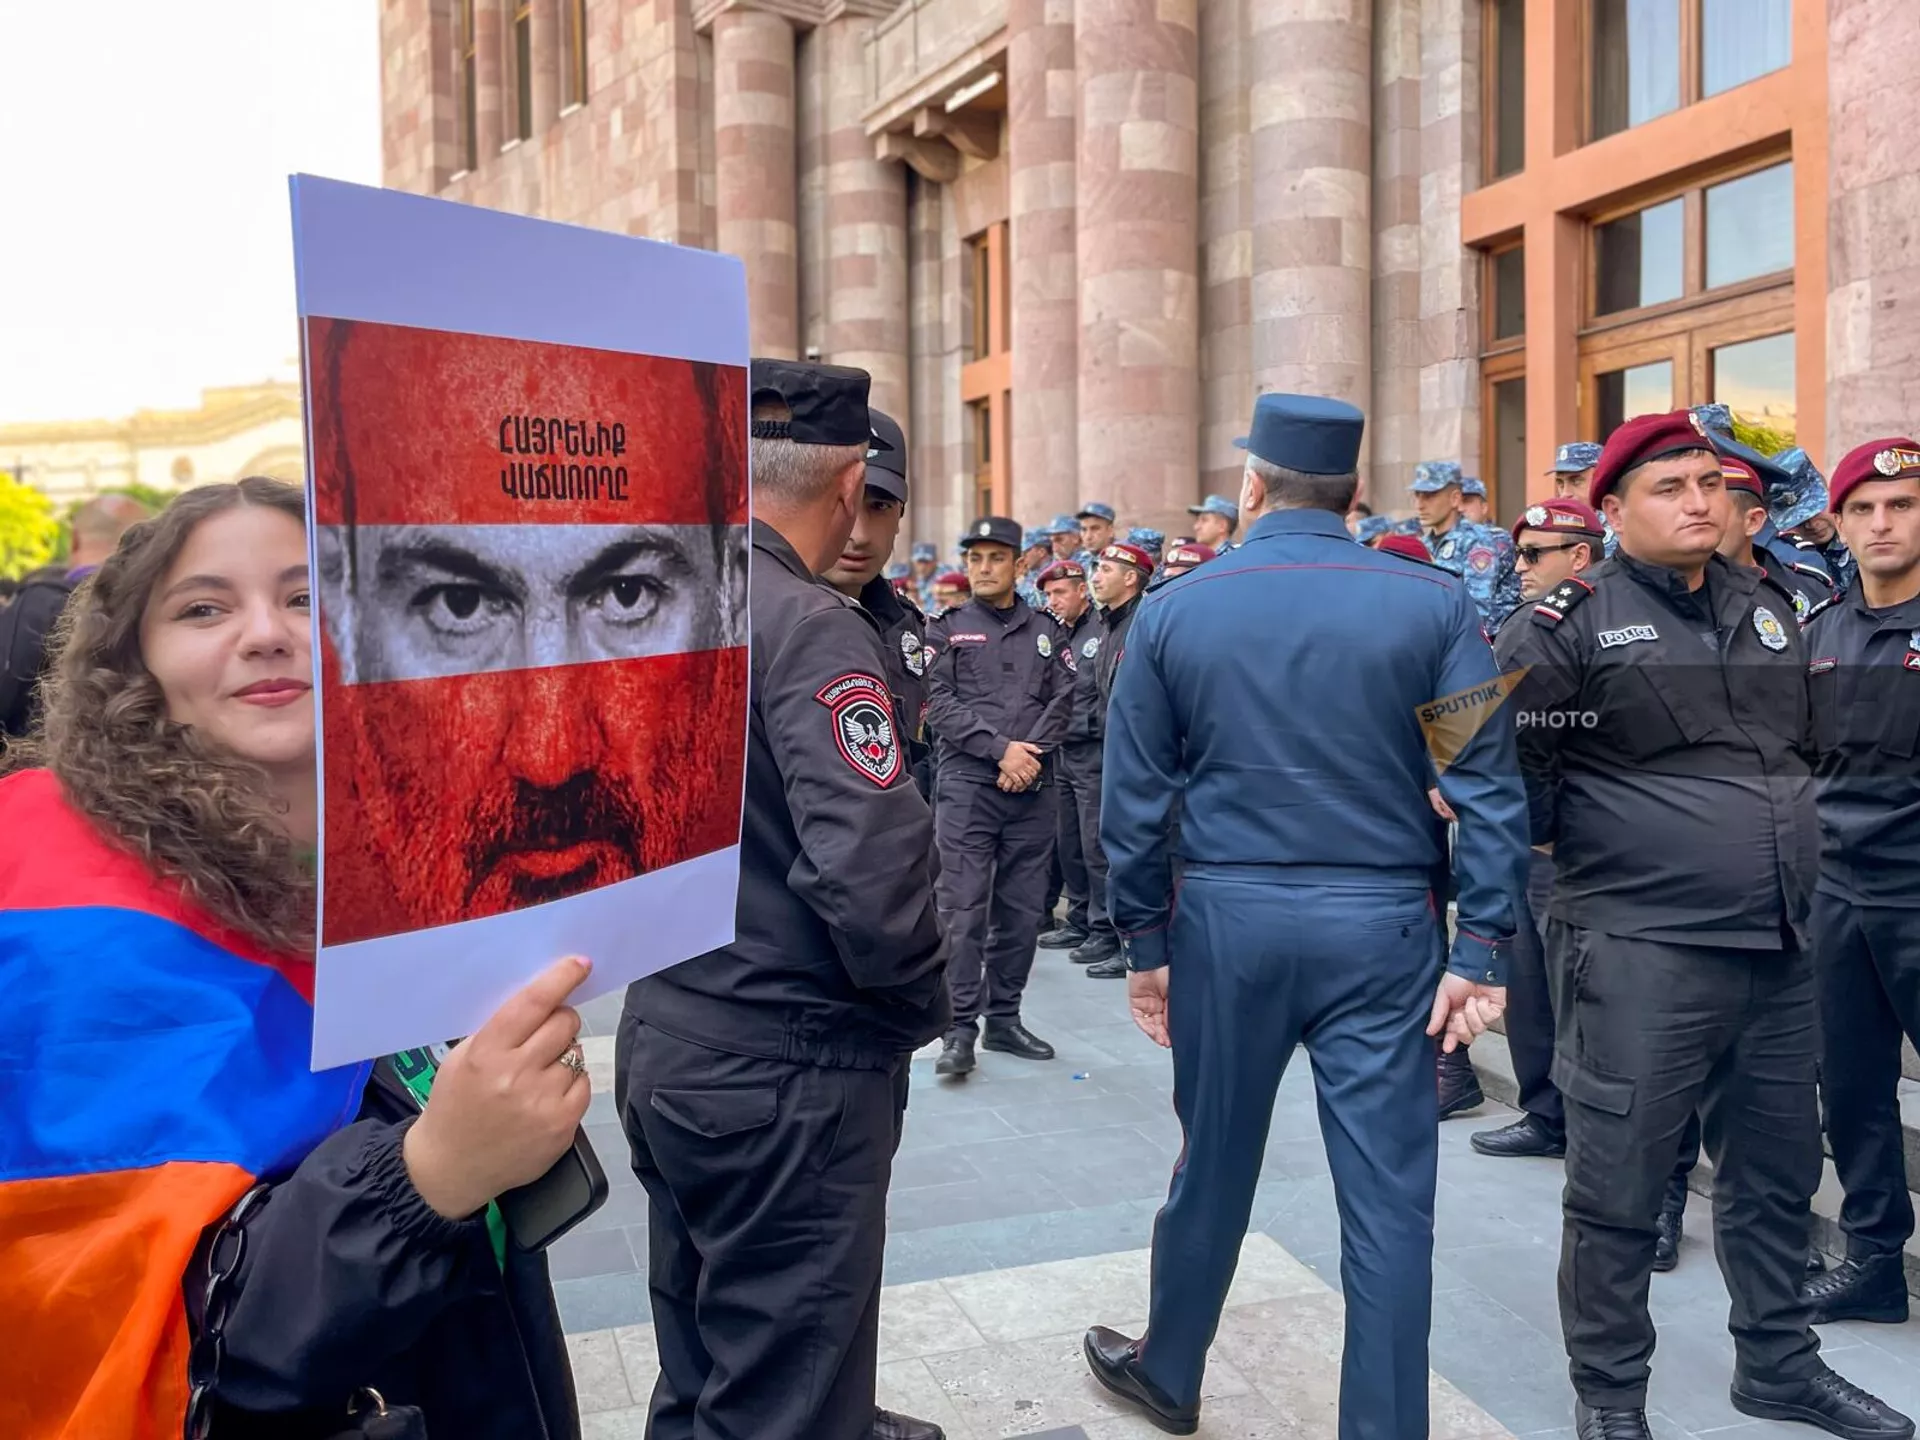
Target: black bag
(368, 1415)
(26, 622)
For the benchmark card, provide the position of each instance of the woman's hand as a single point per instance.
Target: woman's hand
(503, 1108)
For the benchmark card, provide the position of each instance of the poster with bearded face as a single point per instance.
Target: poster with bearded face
(530, 568)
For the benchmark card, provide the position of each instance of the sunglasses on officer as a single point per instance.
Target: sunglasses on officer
(1531, 553)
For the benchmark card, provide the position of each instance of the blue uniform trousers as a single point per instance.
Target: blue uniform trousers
(1346, 968)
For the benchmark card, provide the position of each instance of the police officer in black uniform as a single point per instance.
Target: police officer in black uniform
(856, 573)
(1864, 671)
(1664, 735)
(1078, 761)
(762, 1085)
(1120, 576)
(998, 693)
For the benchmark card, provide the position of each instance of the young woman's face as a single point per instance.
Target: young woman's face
(225, 634)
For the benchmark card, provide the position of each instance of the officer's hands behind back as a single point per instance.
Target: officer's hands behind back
(1464, 1010)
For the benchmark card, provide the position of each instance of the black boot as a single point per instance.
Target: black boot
(889, 1426)
(1098, 947)
(956, 1056)
(1114, 967)
(1873, 1288)
(1114, 1361)
(1063, 937)
(1825, 1399)
(1010, 1037)
(1599, 1423)
(1672, 1226)
(1459, 1085)
(1529, 1135)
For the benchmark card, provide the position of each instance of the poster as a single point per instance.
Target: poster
(527, 481)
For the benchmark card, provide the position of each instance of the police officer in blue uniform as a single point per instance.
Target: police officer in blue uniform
(1152, 541)
(1751, 539)
(1800, 511)
(1096, 519)
(999, 692)
(1572, 469)
(1064, 531)
(1666, 756)
(1036, 554)
(1864, 672)
(1214, 521)
(1306, 913)
(926, 565)
(1474, 505)
(1480, 555)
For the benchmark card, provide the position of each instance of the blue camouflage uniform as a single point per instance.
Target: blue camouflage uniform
(1307, 852)
(923, 589)
(1480, 555)
(1027, 586)
(1795, 565)
(1224, 507)
(1372, 527)
(1099, 510)
(1804, 496)
(1151, 541)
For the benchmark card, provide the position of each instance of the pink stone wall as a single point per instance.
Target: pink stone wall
(1226, 244)
(1137, 187)
(1449, 271)
(1393, 418)
(1873, 255)
(1043, 264)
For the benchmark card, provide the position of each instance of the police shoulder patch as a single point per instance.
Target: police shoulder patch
(860, 709)
(1480, 558)
(1554, 606)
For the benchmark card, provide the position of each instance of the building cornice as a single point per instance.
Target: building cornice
(802, 14)
(223, 413)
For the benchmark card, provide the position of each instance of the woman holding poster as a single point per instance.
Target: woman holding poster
(202, 1235)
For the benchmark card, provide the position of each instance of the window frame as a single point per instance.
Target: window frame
(1491, 344)
(466, 95)
(1692, 66)
(573, 55)
(1496, 370)
(1490, 172)
(519, 18)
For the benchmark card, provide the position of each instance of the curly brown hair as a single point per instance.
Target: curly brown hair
(203, 818)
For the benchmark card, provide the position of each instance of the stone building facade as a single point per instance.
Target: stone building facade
(1073, 239)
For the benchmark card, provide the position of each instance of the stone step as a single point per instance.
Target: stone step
(1494, 1063)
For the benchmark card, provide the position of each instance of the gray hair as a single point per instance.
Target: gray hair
(789, 473)
(1297, 490)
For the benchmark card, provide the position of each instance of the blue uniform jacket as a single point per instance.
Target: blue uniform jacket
(1286, 682)
(1483, 557)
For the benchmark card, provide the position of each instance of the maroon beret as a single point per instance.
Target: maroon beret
(1399, 543)
(1126, 554)
(1060, 570)
(1568, 515)
(1739, 475)
(954, 577)
(1897, 458)
(1190, 553)
(1644, 438)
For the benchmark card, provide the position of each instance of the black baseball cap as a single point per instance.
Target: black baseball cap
(827, 403)
(887, 457)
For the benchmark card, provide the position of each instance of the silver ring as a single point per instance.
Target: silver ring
(575, 1059)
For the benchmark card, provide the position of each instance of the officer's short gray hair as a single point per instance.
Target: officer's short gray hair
(788, 472)
(1297, 490)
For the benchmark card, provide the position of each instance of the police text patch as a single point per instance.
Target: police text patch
(1626, 635)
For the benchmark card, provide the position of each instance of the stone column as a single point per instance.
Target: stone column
(866, 228)
(489, 96)
(547, 60)
(1450, 271)
(1137, 189)
(1311, 108)
(1873, 307)
(754, 169)
(1394, 416)
(1042, 267)
(1226, 244)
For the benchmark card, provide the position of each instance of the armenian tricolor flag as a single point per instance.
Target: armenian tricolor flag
(153, 1066)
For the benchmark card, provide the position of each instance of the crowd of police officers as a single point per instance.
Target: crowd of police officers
(1664, 756)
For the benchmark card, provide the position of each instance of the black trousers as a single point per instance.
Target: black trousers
(1869, 976)
(1530, 999)
(993, 872)
(766, 1226)
(1080, 766)
(1648, 1034)
(1069, 854)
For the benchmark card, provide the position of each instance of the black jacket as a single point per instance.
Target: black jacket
(1113, 643)
(1864, 671)
(26, 623)
(996, 676)
(1087, 721)
(1665, 737)
(349, 1278)
(903, 640)
(837, 957)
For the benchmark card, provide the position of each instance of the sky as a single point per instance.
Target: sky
(145, 247)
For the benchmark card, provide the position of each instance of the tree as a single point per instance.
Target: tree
(29, 529)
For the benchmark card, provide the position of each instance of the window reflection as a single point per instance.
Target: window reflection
(1638, 259)
(1635, 62)
(1754, 379)
(1741, 40)
(1510, 86)
(1636, 390)
(1750, 226)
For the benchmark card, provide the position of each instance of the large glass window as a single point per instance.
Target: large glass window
(523, 69)
(1509, 449)
(1741, 40)
(1640, 259)
(1508, 43)
(1754, 379)
(467, 103)
(1509, 275)
(1635, 390)
(1750, 226)
(1634, 50)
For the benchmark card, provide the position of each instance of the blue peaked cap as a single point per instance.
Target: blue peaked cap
(1307, 433)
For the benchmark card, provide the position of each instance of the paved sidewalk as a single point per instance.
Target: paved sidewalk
(1027, 1164)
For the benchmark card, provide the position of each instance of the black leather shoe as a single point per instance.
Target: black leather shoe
(889, 1426)
(1111, 1358)
(1601, 1423)
(1823, 1398)
(1097, 948)
(956, 1056)
(1112, 969)
(1063, 937)
(1459, 1085)
(1010, 1037)
(1871, 1289)
(1666, 1250)
(1529, 1135)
